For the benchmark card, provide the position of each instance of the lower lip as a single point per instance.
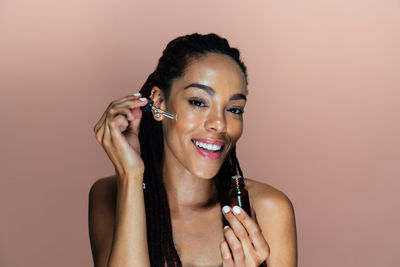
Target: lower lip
(206, 154)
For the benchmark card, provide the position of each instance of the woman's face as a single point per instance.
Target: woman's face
(209, 100)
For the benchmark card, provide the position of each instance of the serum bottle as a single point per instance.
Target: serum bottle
(238, 194)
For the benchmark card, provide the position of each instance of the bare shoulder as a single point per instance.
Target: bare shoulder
(276, 218)
(102, 197)
(265, 196)
(106, 186)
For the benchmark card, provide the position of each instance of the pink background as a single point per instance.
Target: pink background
(322, 121)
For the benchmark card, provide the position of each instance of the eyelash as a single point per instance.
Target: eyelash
(241, 111)
(194, 102)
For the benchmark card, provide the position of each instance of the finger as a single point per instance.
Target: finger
(239, 230)
(120, 111)
(108, 145)
(251, 209)
(122, 122)
(235, 245)
(133, 104)
(125, 98)
(245, 219)
(115, 129)
(114, 103)
(128, 99)
(99, 127)
(119, 143)
(133, 116)
(135, 113)
(226, 254)
(253, 230)
(100, 133)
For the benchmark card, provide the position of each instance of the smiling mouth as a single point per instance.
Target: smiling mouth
(209, 151)
(209, 148)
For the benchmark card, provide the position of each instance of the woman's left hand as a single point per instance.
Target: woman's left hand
(245, 240)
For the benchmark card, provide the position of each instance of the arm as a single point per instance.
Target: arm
(118, 232)
(125, 243)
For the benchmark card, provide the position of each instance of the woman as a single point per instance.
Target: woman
(163, 206)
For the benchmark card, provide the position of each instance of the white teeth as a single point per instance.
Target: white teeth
(207, 146)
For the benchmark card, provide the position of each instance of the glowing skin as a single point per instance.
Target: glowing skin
(205, 116)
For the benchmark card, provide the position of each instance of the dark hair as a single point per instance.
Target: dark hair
(175, 58)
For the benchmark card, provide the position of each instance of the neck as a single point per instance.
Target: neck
(185, 191)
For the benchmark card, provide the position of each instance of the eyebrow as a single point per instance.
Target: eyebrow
(211, 91)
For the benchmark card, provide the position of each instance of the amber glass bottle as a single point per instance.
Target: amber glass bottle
(238, 194)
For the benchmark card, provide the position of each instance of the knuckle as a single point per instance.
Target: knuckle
(236, 248)
(242, 235)
(254, 232)
(226, 256)
(264, 253)
(132, 104)
(112, 111)
(113, 123)
(117, 120)
(253, 261)
(135, 102)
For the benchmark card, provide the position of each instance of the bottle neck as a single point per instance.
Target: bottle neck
(237, 182)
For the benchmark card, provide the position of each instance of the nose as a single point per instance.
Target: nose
(216, 122)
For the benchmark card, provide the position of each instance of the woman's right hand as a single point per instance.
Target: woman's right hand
(118, 133)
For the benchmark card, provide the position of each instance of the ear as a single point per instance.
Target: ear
(157, 96)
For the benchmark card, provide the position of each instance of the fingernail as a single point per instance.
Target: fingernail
(143, 99)
(236, 209)
(226, 226)
(226, 209)
(136, 94)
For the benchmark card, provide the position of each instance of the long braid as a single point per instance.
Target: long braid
(172, 64)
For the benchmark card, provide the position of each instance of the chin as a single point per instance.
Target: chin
(206, 170)
(209, 174)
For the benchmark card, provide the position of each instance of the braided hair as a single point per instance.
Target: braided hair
(171, 65)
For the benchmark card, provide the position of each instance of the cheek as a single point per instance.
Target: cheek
(187, 122)
(235, 129)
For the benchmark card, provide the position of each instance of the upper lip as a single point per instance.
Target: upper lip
(210, 141)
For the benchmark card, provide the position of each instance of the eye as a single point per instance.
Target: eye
(238, 111)
(197, 102)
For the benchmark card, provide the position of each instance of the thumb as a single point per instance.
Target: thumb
(116, 137)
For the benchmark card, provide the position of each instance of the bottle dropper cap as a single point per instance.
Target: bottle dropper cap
(149, 106)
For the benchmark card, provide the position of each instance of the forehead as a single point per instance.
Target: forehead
(218, 71)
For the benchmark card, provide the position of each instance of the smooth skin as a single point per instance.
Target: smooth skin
(197, 227)
(117, 222)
